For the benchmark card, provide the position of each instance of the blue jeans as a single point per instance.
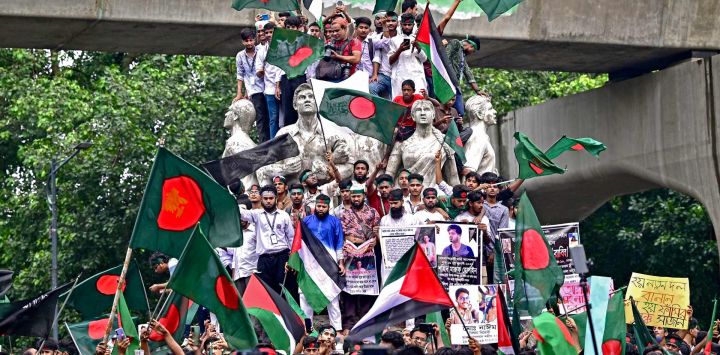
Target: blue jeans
(273, 117)
(459, 104)
(382, 87)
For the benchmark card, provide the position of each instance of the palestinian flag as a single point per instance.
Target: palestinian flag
(443, 77)
(613, 341)
(363, 113)
(201, 277)
(436, 317)
(294, 51)
(5, 280)
(178, 312)
(315, 8)
(125, 321)
(537, 274)
(318, 275)
(87, 334)
(94, 295)
(281, 323)
(31, 317)
(507, 340)
(643, 338)
(565, 144)
(271, 5)
(452, 138)
(532, 162)
(294, 305)
(495, 8)
(179, 196)
(412, 289)
(553, 336)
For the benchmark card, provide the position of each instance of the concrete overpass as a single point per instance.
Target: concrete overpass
(609, 36)
(661, 130)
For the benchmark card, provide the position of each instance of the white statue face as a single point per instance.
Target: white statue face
(423, 112)
(480, 108)
(489, 116)
(305, 102)
(241, 112)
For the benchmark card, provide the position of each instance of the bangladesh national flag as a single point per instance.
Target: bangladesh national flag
(643, 338)
(31, 317)
(294, 51)
(412, 289)
(495, 8)
(532, 162)
(507, 340)
(270, 5)
(201, 277)
(443, 77)
(363, 113)
(94, 295)
(87, 334)
(575, 144)
(178, 312)
(452, 138)
(552, 336)
(318, 275)
(179, 196)
(282, 325)
(537, 274)
(613, 341)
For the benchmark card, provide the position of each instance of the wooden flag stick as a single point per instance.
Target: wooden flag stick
(121, 282)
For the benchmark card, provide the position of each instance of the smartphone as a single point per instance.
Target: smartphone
(120, 334)
(308, 325)
(196, 334)
(264, 17)
(406, 42)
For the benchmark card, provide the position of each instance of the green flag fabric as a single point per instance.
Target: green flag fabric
(537, 274)
(94, 296)
(452, 138)
(201, 277)
(565, 144)
(643, 338)
(613, 342)
(552, 336)
(270, 5)
(87, 334)
(532, 162)
(436, 317)
(363, 113)
(126, 323)
(443, 77)
(293, 51)
(384, 5)
(179, 196)
(178, 312)
(495, 8)
(581, 323)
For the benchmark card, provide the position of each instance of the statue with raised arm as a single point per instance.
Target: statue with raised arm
(479, 114)
(417, 153)
(239, 120)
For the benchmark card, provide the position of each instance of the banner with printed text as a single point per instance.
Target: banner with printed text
(360, 271)
(478, 307)
(662, 301)
(458, 255)
(396, 241)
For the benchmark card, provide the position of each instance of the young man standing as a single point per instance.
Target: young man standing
(406, 57)
(362, 30)
(250, 85)
(413, 201)
(379, 194)
(345, 203)
(347, 50)
(283, 198)
(298, 210)
(380, 82)
(271, 80)
(431, 213)
(496, 212)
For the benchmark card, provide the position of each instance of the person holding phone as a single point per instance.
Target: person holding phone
(406, 58)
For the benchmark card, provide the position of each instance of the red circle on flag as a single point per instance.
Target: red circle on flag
(362, 108)
(458, 141)
(612, 347)
(538, 170)
(226, 293)
(299, 56)
(171, 322)
(533, 252)
(182, 204)
(96, 328)
(577, 146)
(107, 284)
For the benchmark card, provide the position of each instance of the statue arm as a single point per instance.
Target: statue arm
(394, 160)
(474, 154)
(450, 170)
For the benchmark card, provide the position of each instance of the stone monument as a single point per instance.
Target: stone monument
(239, 120)
(479, 114)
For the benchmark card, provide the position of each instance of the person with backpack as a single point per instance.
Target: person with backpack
(342, 54)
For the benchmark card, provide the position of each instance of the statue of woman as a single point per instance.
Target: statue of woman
(479, 114)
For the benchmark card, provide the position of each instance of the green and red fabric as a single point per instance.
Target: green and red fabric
(643, 338)
(708, 347)
(87, 334)
(565, 144)
(412, 289)
(507, 340)
(179, 196)
(452, 138)
(532, 162)
(201, 277)
(613, 341)
(294, 51)
(443, 77)
(125, 321)
(581, 323)
(363, 113)
(318, 275)
(178, 312)
(552, 336)
(537, 274)
(283, 326)
(270, 5)
(495, 8)
(94, 295)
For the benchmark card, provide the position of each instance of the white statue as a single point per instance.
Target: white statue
(479, 114)
(308, 135)
(417, 153)
(239, 120)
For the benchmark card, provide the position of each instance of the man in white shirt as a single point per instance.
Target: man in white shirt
(413, 201)
(246, 65)
(271, 80)
(430, 213)
(406, 58)
(161, 263)
(244, 261)
(380, 82)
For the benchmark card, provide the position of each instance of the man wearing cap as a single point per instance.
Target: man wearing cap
(273, 236)
(328, 230)
(431, 213)
(298, 209)
(379, 194)
(457, 201)
(406, 57)
(310, 180)
(283, 198)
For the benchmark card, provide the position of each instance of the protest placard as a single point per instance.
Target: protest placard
(662, 301)
(396, 241)
(478, 307)
(360, 270)
(458, 254)
(560, 237)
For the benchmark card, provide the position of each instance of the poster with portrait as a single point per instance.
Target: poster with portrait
(458, 255)
(478, 307)
(360, 270)
(396, 241)
(560, 237)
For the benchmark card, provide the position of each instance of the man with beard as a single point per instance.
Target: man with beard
(379, 194)
(413, 201)
(298, 210)
(273, 239)
(398, 215)
(431, 213)
(360, 224)
(328, 230)
(360, 172)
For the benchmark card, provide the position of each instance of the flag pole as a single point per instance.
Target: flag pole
(462, 321)
(147, 301)
(121, 282)
(160, 301)
(57, 315)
